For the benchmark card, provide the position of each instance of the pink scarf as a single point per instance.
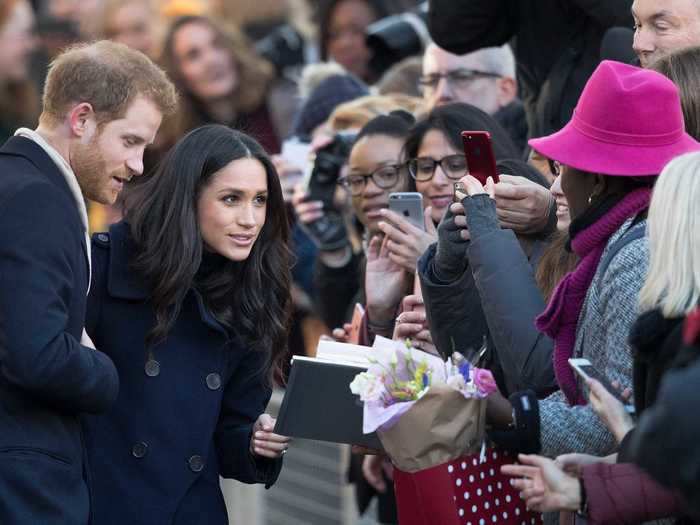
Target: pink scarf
(560, 318)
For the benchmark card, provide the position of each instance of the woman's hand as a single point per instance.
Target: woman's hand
(611, 411)
(499, 411)
(385, 282)
(412, 324)
(474, 187)
(373, 471)
(543, 485)
(407, 242)
(264, 442)
(341, 335)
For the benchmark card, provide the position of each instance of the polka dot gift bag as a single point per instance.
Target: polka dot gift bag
(430, 416)
(467, 491)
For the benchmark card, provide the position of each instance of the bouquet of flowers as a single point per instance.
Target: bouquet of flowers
(429, 415)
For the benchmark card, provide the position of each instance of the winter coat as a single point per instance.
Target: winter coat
(621, 493)
(665, 440)
(184, 415)
(495, 297)
(47, 379)
(607, 315)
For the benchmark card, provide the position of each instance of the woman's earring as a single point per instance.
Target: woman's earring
(590, 199)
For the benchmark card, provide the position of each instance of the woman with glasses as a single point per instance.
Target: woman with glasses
(374, 170)
(436, 161)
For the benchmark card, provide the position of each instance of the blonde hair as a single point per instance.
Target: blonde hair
(358, 112)
(673, 281)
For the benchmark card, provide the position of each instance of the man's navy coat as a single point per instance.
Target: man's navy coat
(47, 379)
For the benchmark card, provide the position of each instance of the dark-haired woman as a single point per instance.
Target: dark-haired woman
(190, 298)
(221, 80)
(436, 160)
(628, 124)
(343, 24)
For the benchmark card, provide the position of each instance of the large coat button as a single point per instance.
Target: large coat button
(196, 463)
(214, 381)
(152, 368)
(139, 450)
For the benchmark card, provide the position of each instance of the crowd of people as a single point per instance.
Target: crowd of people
(194, 191)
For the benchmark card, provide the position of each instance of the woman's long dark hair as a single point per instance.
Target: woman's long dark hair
(251, 297)
(451, 120)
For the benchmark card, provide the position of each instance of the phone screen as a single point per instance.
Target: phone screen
(593, 373)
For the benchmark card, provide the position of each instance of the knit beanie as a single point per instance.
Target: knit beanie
(329, 94)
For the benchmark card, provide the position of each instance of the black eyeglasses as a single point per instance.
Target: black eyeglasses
(423, 168)
(458, 78)
(554, 167)
(384, 177)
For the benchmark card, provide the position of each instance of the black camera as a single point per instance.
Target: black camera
(329, 231)
(396, 37)
(284, 48)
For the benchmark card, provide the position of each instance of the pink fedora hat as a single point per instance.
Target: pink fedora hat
(628, 121)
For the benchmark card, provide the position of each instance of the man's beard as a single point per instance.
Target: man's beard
(90, 169)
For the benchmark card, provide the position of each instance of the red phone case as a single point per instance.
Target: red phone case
(481, 163)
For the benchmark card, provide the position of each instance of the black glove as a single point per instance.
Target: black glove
(524, 436)
(328, 233)
(481, 214)
(451, 255)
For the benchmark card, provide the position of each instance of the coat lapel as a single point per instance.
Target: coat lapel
(35, 154)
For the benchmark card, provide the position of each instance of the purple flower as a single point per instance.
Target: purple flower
(484, 381)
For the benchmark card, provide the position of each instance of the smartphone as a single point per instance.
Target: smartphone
(460, 192)
(586, 370)
(481, 163)
(358, 316)
(408, 204)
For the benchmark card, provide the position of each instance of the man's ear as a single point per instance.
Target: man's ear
(82, 121)
(507, 90)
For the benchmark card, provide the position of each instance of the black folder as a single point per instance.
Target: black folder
(318, 404)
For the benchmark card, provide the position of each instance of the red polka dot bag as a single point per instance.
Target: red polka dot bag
(469, 490)
(430, 416)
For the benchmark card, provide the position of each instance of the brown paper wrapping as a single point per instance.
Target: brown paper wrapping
(440, 427)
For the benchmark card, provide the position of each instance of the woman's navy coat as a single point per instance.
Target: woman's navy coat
(183, 417)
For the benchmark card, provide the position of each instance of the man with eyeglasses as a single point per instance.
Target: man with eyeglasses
(484, 78)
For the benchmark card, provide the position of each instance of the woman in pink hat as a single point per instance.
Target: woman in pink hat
(628, 124)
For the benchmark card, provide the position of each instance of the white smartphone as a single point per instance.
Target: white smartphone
(409, 205)
(586, 370)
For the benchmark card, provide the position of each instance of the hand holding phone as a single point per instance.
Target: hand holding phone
(607, 402)
(586, 370)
